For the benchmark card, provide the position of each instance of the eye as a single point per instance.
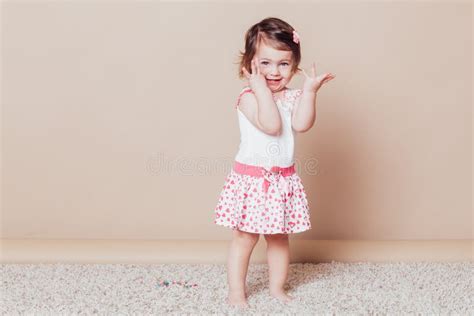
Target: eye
(264, 62)
(285, 64)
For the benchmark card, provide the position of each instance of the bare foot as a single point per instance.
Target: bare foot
(237, 301)
(282, 296)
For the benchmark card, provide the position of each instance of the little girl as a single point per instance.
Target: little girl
(263, 193)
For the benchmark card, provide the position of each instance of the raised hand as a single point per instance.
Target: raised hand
(313, 83)
(256, 80)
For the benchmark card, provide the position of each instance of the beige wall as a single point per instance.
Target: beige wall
(95, 94)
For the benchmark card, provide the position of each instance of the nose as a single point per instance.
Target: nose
(274, 71)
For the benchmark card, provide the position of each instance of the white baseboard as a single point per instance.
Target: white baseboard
(206, 251)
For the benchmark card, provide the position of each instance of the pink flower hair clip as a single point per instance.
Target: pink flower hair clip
(296, 37)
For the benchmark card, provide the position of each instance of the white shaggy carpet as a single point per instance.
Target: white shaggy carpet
(325, 288)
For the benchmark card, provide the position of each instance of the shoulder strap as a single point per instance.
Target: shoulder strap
(244, 90)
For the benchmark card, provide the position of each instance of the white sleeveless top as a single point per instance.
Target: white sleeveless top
(260, 149)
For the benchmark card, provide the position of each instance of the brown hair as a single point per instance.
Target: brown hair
(274, 32)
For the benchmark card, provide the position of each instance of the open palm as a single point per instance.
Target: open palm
(312, 82)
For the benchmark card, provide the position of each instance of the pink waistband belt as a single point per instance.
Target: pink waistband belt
(271, 176)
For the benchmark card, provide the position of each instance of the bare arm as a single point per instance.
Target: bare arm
(262, 112)
(268, 114)
(304, 112)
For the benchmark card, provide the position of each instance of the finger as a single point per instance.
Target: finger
(258, 66)
(330, 76)
(324, 77)
(327, 79)
(321, 78)
(252, 64)
(324, 81)
(314, 69)
(246, 73)
(304, 72)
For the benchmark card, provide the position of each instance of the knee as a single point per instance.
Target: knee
(245, 237)
(276, 237)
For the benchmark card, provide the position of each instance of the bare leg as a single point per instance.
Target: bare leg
(241, 248)
(278, 257)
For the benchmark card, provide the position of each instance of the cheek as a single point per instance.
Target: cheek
(287, 72)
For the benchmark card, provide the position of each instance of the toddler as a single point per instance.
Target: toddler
(263, 193)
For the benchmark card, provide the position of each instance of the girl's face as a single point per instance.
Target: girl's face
(275, 64)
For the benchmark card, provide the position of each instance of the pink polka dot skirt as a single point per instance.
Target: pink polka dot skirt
(246, 205)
